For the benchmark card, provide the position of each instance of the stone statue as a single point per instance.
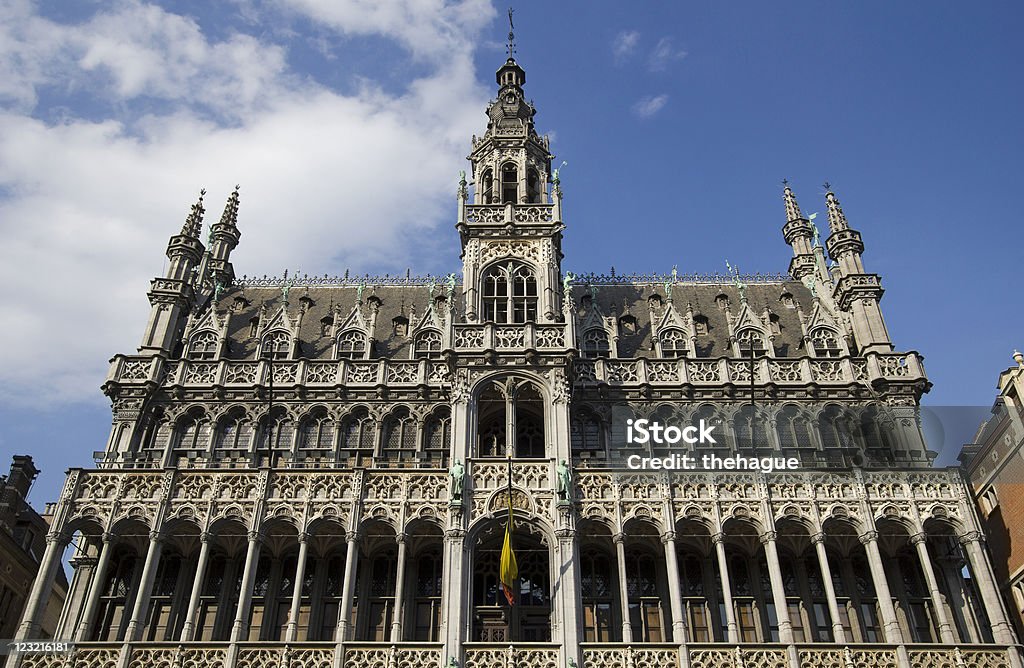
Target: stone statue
(567, 285)
(462, 183)
(571, 662)
(458, 475)
(817, 234)
(451, 285)
(452, 662)
(564, 480)
(218, 289)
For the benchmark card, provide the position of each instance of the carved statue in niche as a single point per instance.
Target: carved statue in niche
(458, 475)
(564, 480)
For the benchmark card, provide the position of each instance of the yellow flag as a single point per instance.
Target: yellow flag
(509, 569)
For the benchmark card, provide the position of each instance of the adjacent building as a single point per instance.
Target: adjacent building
(317, 471)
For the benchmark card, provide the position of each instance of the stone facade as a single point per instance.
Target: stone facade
(315, 471)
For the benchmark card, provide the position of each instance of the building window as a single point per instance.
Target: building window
(428, 344)
(595, 343)
(532, 186)
(510, 294)
(509, 184)
(836, 428)
(825, 343)
(989, 502)
(400, 326)
(645, 609)
(326, 323)
(352, 345)
(627, 325)
(399, 444)
(674, 343)
(750, 338)
(510, 409)
(112, 614)
(722, 301)
(316, 435)
(792, 428)
(437, 437)
(193, 435)
(380, 604)
(587, 436)
(700, 325)
(429, 584)
(277, 345)
(357, 434)
(234, 435)
(203, 346)
(596, 589)
(276, 437)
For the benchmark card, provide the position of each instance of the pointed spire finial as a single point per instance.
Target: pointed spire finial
(792, 208)
(230, 216)
(836, 217)
(511, 46)
(194, 222)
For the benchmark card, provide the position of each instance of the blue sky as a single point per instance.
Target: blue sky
(346, 124)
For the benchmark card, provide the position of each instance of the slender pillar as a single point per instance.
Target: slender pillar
(300, 575)
(675, 593)
(778, 589)
(920, 541)
(344, 630)
(99, 578)
(197, 588)
(893, 633)
(1001, 631)
(454, 599)
(838, 632)
(620, 558)
(252, 556)
(138, 621)
(42, 586)
(732, 631)
(396, 622)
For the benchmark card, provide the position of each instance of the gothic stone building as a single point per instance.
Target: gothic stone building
(276, 487)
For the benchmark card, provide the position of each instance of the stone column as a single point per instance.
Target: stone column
(920, 541)
(197, 588)
(893, 633)
(252, 556)
(42, 586)
(396, 622)
(771, 554)
(344, 630)
(838, 632)
(620, 557)
(95, 590)
(568, 593)
(300, 574)
(1001, 631)
(732, 631)
(454, 598)
(675, 593)
(138, 621)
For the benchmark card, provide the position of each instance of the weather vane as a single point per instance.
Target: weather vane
(511, 35)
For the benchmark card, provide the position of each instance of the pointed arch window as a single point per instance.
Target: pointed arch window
(516, 410)
(358, 432)
(277, 433)
(193, 435)
(749, 428)
(399, 443)
(595, 343)
(429, 584)
(510, 294)
(234, 435)
(428, 344)
(352, 345)
(487, 186)
(597, 591)
(437, 437)
(509, 183)
(203, 346)
(277, 345)
(825, 342)
(750, 338)
(532, 186)
(587, 436)
(673, 343)
(836, 428)
(316, 435)
(793, 429)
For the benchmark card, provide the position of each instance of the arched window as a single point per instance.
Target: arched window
(587, 436)
(793, 430)
(160, 625)
(627, 325)
(700, 325)
(428, 344)
(352, 345)
(497, 403)
(487, 186)
(749, 338)
(429, 583)
(234, 435)
(529, 412)
(400, 326)
(193, 435)
(532, 186)
(673, 343)
(380, 606)
(277, 345)
(595, 343)
(722, 301)
(510, 294)
(509, 184)
(114, 598)
(316, 435)
(357, 434)
(203, 346)
(645, 608)
(437, 437)
(836, 428)
(326, 323)
(749, 427)
(399, 444)
(774, 324)
(276, 434)
(597, 587)
(825, 342)
(492, 425)
(691, 574)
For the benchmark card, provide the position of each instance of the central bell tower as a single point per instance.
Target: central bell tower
(510, 225)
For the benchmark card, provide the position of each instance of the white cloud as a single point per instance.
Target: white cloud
(649, 105)
(624, 44)
(664, 54)
(328, 180)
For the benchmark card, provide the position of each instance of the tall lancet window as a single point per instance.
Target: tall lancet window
(509, 184)
(510, 294)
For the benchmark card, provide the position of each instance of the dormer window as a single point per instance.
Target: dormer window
(722, 301)
(400, 326)
(510, 294)
(352, 345)
(825, 343)
(326, 323)
(428, 344)
(277, 345)
(239, 303)
(595, 343)
(787, 300)
(673, 343)
(509, 183)
(700, 325)
(203, 346)
(627, 325)
(750, 338)
(774, 324)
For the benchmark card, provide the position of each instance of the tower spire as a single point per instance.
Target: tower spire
(798, 233)
(792, 208)
(511, 46)
(194, 221)
(836, 218)
(225, 236)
